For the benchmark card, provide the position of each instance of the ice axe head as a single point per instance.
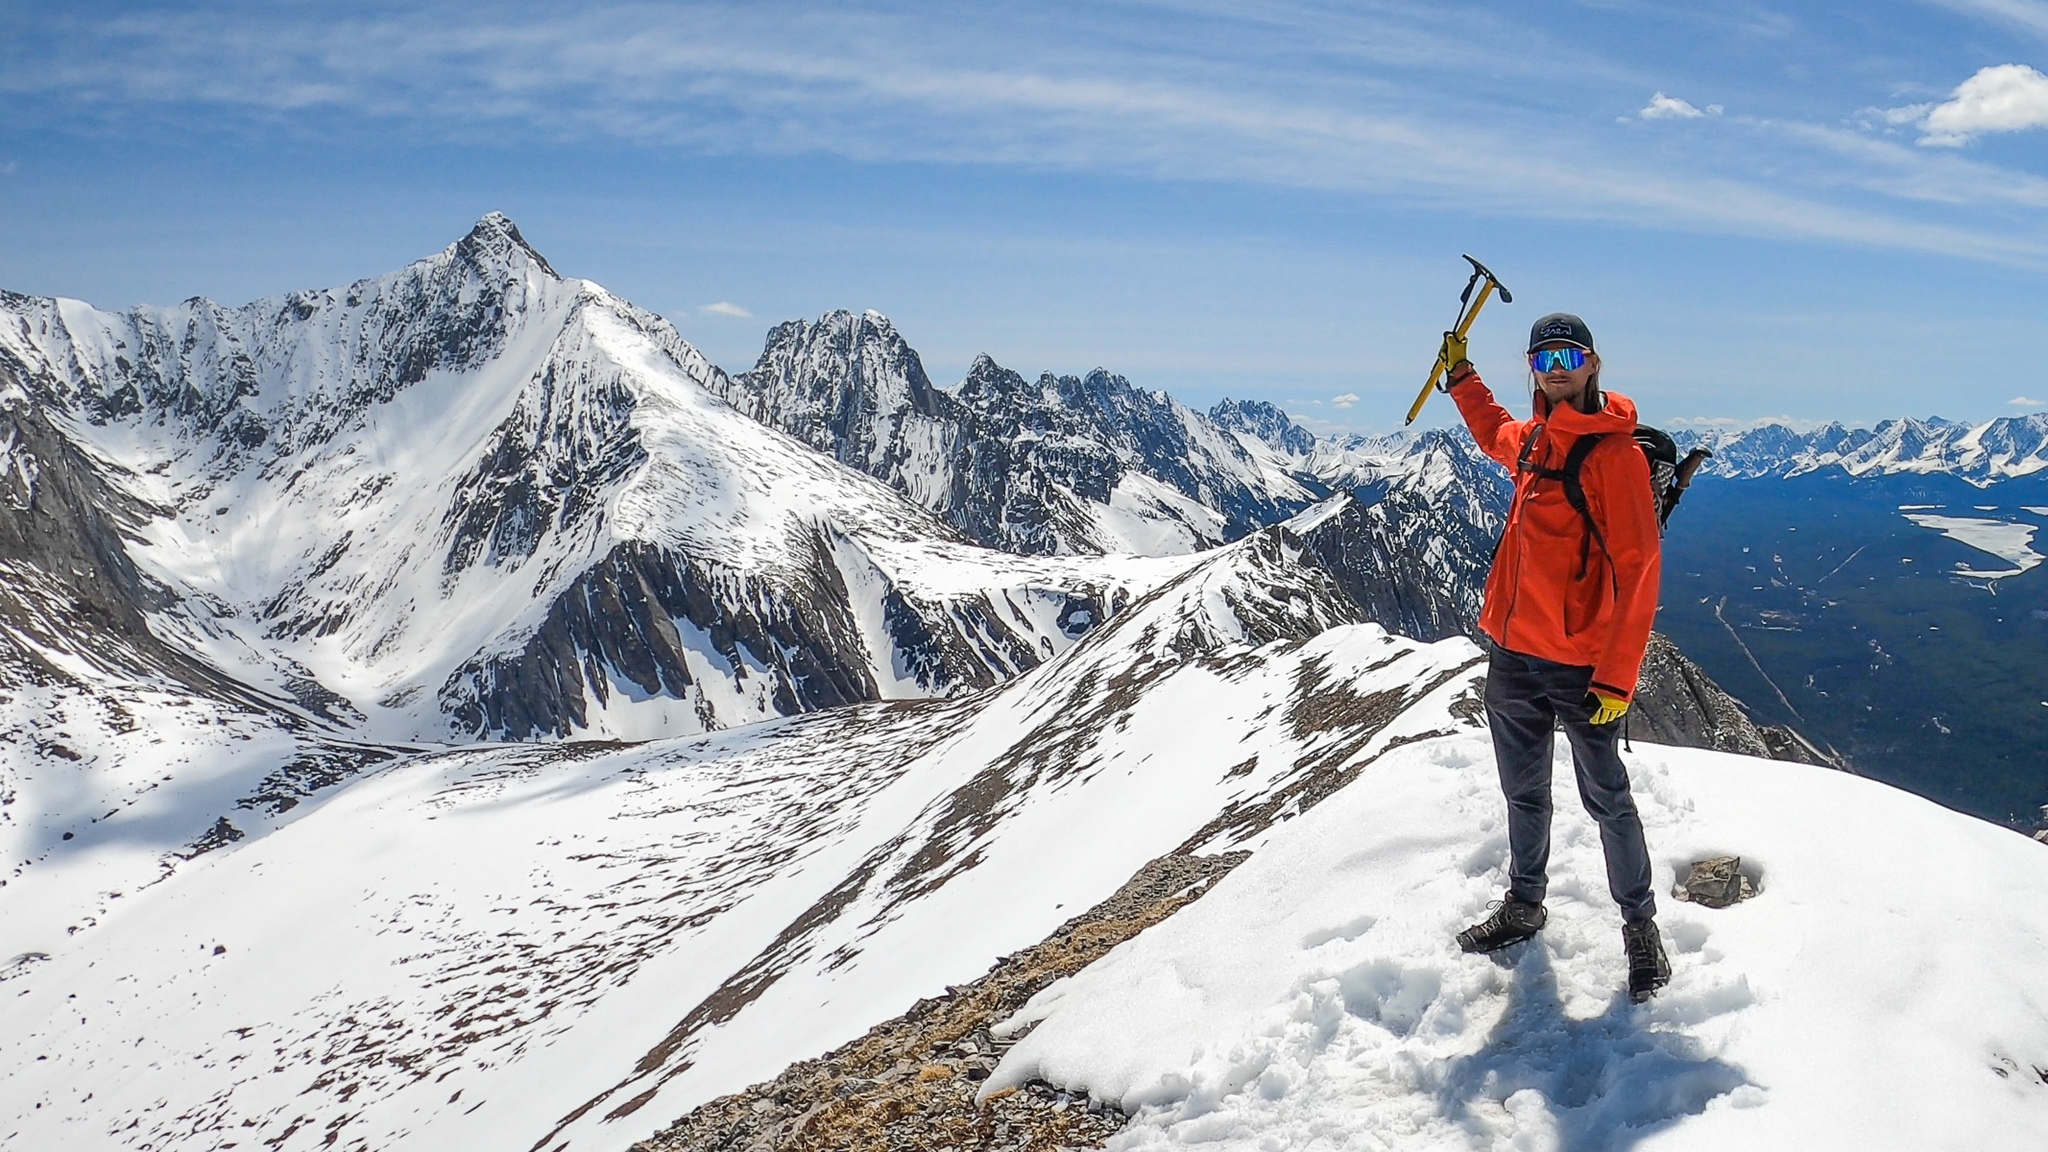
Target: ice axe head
(1479, 270)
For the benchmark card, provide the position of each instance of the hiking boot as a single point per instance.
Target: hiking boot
(1648, 968)
(1512, 922)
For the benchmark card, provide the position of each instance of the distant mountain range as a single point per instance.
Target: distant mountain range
(2007, 448)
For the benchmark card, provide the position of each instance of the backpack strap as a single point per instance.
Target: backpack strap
(1529, 445)
(1575, 494)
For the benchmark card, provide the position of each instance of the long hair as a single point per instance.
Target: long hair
(1595, 400)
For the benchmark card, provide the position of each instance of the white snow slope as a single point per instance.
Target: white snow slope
(1881, 991)
(465, 950)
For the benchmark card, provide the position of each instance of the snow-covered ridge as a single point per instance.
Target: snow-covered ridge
(566, 945)
(2005, 448)
(1316, 997)
(2001, 449)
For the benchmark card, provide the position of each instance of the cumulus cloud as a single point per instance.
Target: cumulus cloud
(2000, 98)
(1662, 107)
(725, 308)
(2027, 402)
(1346, 400)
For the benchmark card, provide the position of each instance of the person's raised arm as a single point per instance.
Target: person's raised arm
(1499, 434)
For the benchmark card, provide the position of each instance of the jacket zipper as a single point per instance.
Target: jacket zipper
(1514, 518)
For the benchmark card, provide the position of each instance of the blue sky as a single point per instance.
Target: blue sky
(1817, 212)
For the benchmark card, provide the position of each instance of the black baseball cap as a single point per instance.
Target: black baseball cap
(1561, 326)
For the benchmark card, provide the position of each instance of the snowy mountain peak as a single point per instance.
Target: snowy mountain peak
(1056, 464)
(471, 496)
(495, 240)
(1266, 422)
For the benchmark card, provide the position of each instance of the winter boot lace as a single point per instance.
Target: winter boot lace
(1512, 922)
(1648, 968)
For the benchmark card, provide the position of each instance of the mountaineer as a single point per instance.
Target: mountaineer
(1569, 605)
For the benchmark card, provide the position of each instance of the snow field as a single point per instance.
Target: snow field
(98, 794)
(1878, 992)
(460, 950)
(2010, 542)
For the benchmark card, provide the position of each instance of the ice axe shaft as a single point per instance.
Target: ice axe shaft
(1467, 313)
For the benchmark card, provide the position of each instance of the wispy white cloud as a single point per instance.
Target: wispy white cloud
(1345, 400)
(2027, 15)
(1284, 94)
(727, 309)
(1887, 167)
(1662, 107)
(2027, 402)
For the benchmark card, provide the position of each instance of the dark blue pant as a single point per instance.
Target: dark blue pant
(1525, 698)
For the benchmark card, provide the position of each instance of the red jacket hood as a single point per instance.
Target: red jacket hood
(1618, 415)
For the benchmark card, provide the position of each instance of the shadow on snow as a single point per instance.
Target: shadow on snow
(1605, 1083)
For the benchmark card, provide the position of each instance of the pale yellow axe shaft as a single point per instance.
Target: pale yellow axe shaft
(1464, 326)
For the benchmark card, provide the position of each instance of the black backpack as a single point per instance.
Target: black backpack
(1669, 478)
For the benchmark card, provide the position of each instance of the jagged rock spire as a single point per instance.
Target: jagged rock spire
(495, 239)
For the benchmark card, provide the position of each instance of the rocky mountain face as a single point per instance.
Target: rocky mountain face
(1265, 423)
(1061, 464)
(70, 588)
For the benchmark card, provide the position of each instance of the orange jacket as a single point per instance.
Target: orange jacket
(1539, 600)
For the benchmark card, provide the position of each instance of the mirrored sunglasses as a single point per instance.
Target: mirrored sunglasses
(1553, 359)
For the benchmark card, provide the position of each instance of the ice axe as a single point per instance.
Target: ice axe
(1468, 311)
(1681, 479)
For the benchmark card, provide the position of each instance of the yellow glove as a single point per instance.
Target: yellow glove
(1606, 709)
(1454, 358)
